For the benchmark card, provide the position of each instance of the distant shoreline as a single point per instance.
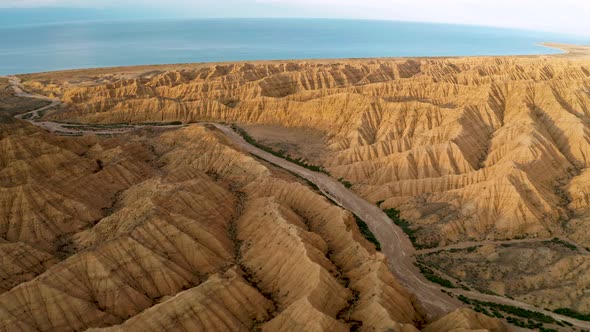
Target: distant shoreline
(60, 47)
(568, 51)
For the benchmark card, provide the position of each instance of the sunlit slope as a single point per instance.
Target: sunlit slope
(469, 148)
(178, 229)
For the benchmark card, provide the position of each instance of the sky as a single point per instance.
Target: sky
(564, 16)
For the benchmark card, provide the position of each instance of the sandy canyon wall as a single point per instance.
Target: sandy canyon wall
(471, 150)
(466, 148)
(179, 229)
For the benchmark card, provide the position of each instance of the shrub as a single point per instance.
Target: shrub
(508, 309)
(394, 215)
(543, 329)
(171, 123)
(364, 229)
(497, 314)
(464, 299)
(562, 243)
(572, 313)
(429, 274)
(345, 183)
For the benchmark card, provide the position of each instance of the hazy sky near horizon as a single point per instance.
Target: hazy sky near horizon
(568, 16)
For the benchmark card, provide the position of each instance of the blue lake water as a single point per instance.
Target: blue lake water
(55, 46)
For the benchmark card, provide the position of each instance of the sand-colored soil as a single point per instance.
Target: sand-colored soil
(166, 229)
(170, 228)
(299, 143)
(547, 273)
(468, 148)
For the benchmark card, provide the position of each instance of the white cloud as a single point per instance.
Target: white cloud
(563, 16)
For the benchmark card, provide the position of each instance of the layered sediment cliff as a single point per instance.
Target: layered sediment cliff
(468, 148)
(179, 229)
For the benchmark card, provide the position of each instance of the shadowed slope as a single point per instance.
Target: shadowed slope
(178, 229)
(487, 138)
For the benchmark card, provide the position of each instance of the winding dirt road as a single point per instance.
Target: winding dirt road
(19, 91)
(56, 127)
(395, 244)
(465, 245)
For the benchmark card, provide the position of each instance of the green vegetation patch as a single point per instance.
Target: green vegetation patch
(280, 154)
(171, 123)
(526, 324)
(508, 309)
(572, 313)
(562, 243)
(364, 229)
(347, 184)
(543, 329)
(27, 116)
(97, 126)
(429, 274)
(394, 215)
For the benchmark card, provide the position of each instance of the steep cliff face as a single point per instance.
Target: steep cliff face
(472, 148)
(179, 229)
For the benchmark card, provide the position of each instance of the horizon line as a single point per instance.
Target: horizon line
(156, 18)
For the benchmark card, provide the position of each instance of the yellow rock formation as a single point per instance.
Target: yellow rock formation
(472, 148)
(464, 320)
(469, 149)
(178, 229)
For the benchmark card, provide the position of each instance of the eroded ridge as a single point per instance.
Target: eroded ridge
(179, 229)
(474, 148)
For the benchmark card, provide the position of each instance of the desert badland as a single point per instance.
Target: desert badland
(127, 202)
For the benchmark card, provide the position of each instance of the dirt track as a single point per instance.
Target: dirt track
(465, 245)
(63, 128)
(395, 244)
